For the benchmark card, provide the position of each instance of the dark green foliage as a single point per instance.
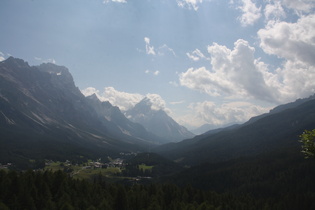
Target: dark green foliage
(308, 140)
(161, 165)
(56, 190)
(266, 134)
(38, 190)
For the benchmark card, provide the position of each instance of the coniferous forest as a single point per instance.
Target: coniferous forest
(57, 190)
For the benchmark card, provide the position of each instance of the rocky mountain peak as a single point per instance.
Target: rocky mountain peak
(16, 62)
(93, 97)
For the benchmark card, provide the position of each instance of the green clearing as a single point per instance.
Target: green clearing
(85, 173)
(82, 171)
(144, 167)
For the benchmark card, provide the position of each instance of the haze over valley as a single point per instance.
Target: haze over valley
(177, 104)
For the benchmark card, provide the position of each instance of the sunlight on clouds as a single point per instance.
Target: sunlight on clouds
(300, 5)
(292, 41)
(237, 73)
(157, 101)
(234, 72)
(121, 99)
(208, 112)
(125, 100)
(295, 42)
(251, 13)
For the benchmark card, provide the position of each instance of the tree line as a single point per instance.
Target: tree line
(57, 190)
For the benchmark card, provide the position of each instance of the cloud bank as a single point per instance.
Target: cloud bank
(125, 100)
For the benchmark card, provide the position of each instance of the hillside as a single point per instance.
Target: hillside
(44, 115)
(271, 132)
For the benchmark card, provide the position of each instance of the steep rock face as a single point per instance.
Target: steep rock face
(45, 94)
(116, 121)
(157, 122)
(41, 109)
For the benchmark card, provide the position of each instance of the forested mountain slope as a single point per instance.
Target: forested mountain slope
(271, 132)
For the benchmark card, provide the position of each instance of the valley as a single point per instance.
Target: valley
(49, 128)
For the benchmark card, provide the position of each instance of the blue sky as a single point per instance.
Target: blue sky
(203, 61)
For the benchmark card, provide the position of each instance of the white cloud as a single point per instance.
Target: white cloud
(155, 73)
(165, 49)
(274, 11)
(190, 4)
(292, 41)
(237, 73)
(125, 100)
(196, 55)
(208, 112)
(234, 72)
(49, 60)
(162, 50)
(157, 101)
(149, 49)
(90, 91)
(251, 13)
(121, 99)
(299, 5)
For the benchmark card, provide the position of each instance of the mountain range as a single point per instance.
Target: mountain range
(277, 130)
(43, 114)
(157, 122)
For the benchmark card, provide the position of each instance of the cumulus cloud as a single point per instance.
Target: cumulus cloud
(295, 43)
(237, 73)
(121, 99)
(148, 47)
(250, 13)
(157, 101)
(292, 41)
(234, 72)
(125, 100)
(208, 112)
(274, 11)
(300, 5)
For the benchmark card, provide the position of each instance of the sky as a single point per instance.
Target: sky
(202, 61)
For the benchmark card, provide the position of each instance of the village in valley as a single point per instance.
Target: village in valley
(111, 168)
